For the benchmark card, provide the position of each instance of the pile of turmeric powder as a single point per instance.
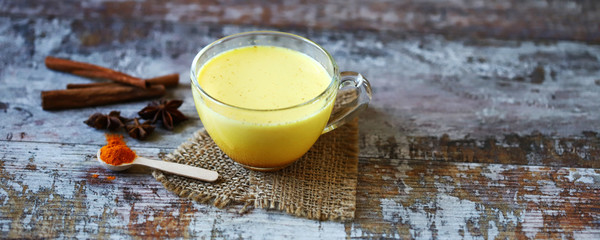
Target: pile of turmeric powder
(116, 151)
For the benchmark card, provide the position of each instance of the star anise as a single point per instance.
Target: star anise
(139, 130)
(112, 121)
(164, 110)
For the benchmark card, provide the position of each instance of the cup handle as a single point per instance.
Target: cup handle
(354, 95)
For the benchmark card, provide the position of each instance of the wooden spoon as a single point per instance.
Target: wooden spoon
(170, 167)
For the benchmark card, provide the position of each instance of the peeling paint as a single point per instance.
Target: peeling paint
(587, 176)
(518, 201)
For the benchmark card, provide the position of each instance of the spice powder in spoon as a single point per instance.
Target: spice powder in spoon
(116, 152)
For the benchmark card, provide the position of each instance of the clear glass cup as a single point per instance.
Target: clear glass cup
(272, 145)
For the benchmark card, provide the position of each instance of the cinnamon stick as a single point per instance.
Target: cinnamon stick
(171, 80)
(168, 81)
(90, 70)
(66, 65)
(96, 96)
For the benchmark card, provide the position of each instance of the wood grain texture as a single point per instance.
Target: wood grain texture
(50, 191)
(428, 199)
(484, 121)
(512, 19)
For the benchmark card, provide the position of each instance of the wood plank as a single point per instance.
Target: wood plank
(50, 185)
(507, 19)
(472, 91)
(429, 199)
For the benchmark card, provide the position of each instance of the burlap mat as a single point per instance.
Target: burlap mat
(321, 185)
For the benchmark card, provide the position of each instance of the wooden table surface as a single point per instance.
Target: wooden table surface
(484, 122)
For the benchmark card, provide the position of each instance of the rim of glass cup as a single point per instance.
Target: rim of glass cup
(195, 83)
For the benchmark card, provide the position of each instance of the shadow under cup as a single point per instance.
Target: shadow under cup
(248, 136)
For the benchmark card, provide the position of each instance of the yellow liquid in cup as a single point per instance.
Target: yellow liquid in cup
(264, 77)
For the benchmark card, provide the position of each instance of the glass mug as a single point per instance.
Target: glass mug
(261, 139)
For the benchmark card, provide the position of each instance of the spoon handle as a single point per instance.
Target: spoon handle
(179, 169)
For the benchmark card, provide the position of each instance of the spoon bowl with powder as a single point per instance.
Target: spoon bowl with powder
(170, 167)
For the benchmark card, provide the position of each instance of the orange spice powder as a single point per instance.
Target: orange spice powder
(116, 152)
